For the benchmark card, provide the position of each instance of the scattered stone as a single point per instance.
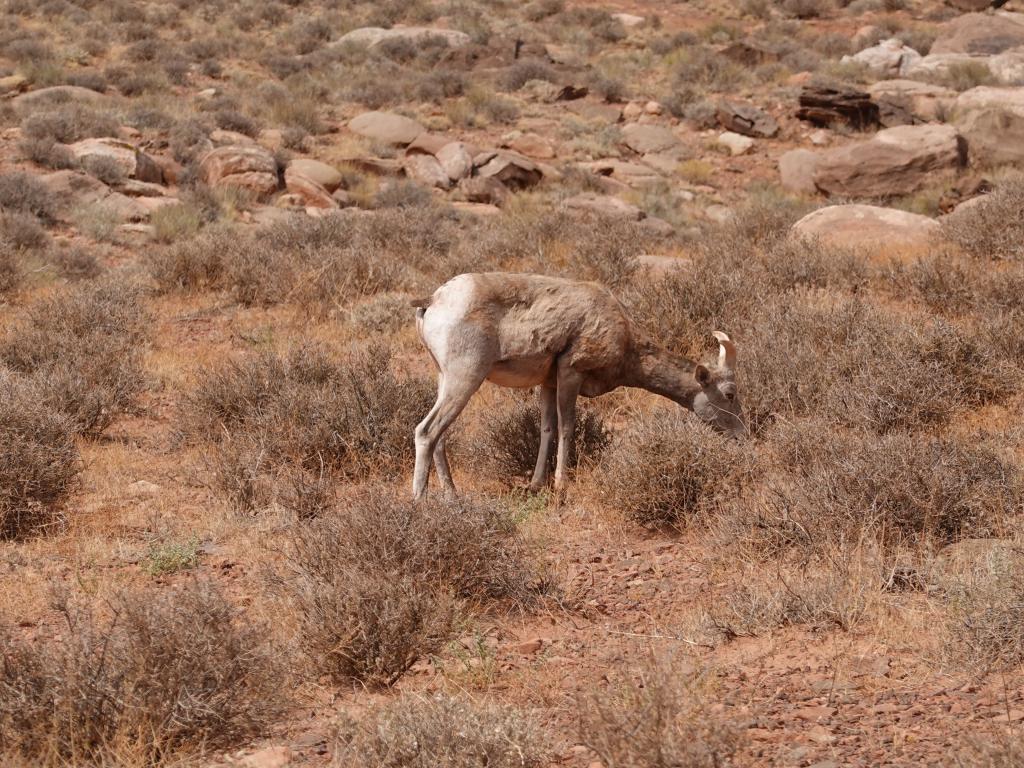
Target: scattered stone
(653, 108)
(529, 646)
(895, 161)
(821, 138)
(129, 159)
(455, 160)
(967, 188)
(311, 192)
(323, 174)
(603, 205)
(632, 111)
(643, 138)
(826, 107)
(981, 33)
(371, 37)
(890, 57)
(566, 55)
(269, 757)
(252, 168)
(511, 169)
(426, 170)
(815, 714)
(55, 96)
(751, 53)
(386, 126)
(797, 168)
(571, 93)
(735, 144)
(427, 144)
(635, 175)
(746, 119)
(136, 188)
(485, 190)
(867, 225)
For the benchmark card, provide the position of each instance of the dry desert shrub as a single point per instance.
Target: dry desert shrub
(991, 228)
(1004, 749)
(827, 487)
(159, 675)
(660, 719)
(70, 123)
(379, 581)
(82, 351)
(512, 439)
(39, 464)
(24, 193)
(670, 469)
(304, 416)
(985, 613)
(443, 731)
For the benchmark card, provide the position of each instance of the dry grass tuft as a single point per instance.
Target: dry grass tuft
(661, 719)
(378, 581)
(445, 732)
(159, 675)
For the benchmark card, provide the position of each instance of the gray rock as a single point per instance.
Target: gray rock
(426, 170)
(374, 36)
(867, 225)
(455, 160)
(386, 126)
(796, 169)
(643, 138)
(327, 176)
(746, 119)
(981, 33)
(603, 205)
(992, 122)
(890, 57)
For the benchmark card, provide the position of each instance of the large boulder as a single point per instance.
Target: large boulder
(890, 57)
(308, 189)
(511, 169)
(643, 138)
(371, 37)
(926, 102)
(992, 122)
(386, 126)
(797, 168)
(327, 176)
(247, 167)
(71, 190)
(132, 162)
(1008, 66)
(55, 96)
(456, 160)
(867, 225)
(981, 33)
(426, 170)
(484, 190)
(895, 161)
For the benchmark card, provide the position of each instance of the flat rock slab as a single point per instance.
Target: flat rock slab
(327, 176)
(603, 205)
(374, 36)
(923, 100)
(890, 57)
(386, 126)
(867, 225)
(895, 161)
(746, 119)
(642, 138)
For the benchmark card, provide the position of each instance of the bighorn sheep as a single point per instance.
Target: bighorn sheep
(569, 338)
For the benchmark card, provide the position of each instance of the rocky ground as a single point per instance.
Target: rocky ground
(212, 220)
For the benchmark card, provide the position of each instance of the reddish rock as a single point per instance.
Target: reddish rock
(252, 168)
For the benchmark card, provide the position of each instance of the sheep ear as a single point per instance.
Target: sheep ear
(726, 351)
(702, 375)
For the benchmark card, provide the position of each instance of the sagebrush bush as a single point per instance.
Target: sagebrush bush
(661, 718)
(11, 272)
(379, 581)
(829, 486)
(669, 468)
(39, 464)
(82, 351)
(991, 228)
(512, 439)
(163, 674)
(443, 731)
(303, 414)
(70, 123)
